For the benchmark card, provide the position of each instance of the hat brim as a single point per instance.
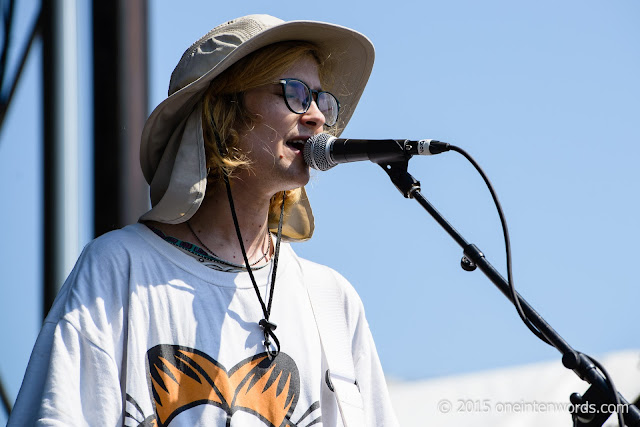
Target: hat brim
(350, 56)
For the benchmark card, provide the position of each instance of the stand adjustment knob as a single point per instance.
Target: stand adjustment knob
(467, 264)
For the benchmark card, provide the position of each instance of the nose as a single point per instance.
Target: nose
(313, 118)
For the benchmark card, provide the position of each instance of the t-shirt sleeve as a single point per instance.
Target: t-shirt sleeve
(73, 383)
(367, 366)
(373, 387)
(72, 377)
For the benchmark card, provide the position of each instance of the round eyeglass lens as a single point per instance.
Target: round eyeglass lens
(297, 96)
(328, 105)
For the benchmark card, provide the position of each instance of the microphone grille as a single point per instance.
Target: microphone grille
(316, 153)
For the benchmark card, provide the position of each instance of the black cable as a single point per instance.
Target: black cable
(507, 244)
(514, 296)
(607, 377)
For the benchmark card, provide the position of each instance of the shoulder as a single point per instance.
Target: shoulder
(325, 283)
(108, 257)
(101, 272)
(95, 295)
(117, 242)
(119, 250)
(319, 273)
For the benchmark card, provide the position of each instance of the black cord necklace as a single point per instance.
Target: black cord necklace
(267, 326)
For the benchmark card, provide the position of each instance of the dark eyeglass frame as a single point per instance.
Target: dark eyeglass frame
(314, 97)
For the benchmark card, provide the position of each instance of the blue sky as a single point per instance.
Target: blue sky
(545, 95)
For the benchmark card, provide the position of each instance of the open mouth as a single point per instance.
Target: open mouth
(296, 145)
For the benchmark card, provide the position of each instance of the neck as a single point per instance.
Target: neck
(214, 226)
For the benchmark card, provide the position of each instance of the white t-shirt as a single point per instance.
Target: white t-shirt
(143, 333)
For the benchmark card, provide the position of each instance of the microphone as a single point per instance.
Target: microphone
(323, 151)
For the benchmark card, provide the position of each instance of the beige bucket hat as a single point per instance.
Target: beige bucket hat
(172, 149)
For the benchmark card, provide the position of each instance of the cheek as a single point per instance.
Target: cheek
(276, 111)
(272, 119)
(273, 108)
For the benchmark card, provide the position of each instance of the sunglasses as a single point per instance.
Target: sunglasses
(298, 97)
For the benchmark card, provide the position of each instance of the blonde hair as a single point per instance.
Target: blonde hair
(224, 112)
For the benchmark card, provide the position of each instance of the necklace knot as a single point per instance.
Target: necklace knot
(268, 328)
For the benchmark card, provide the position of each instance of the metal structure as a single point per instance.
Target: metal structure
(120, 109)
(8, 85)
(61, 162)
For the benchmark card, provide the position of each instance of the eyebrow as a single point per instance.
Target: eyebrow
(316, 88)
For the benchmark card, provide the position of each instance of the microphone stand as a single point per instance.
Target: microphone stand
(599, 392)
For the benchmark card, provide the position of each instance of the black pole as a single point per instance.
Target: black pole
(119, 111)
(48, 165)
(106, 150)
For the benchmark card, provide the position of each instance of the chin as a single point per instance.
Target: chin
(298, 176)
(305, 176)
(292, 176)
(300, 181)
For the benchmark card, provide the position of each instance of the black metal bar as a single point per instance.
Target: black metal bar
(6, 402)
(119, 111)
(48, 153)
(106, 150)
(8, 23)
(6, 100)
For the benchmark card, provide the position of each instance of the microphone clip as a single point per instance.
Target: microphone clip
(401, 178)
